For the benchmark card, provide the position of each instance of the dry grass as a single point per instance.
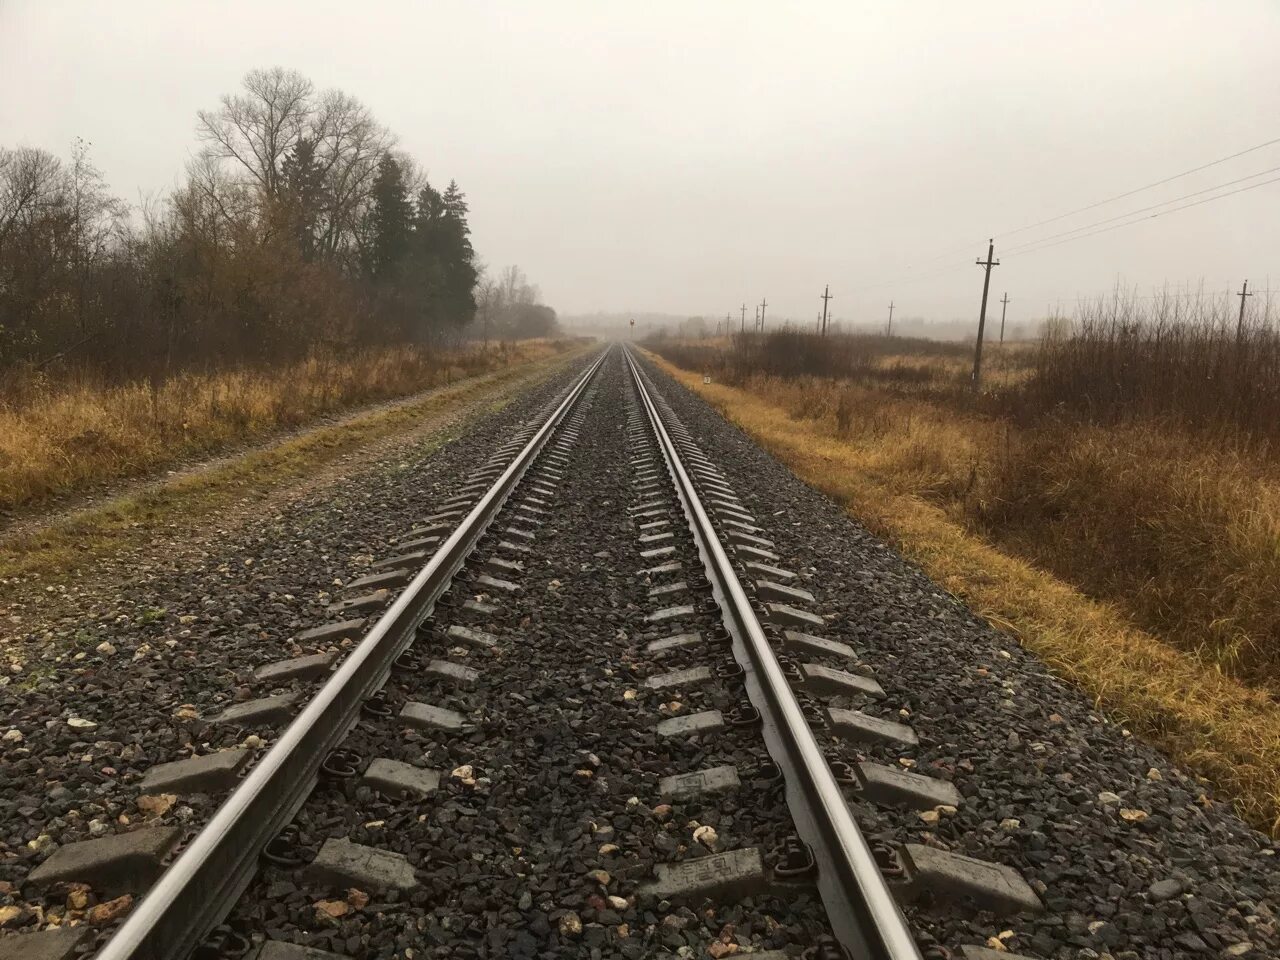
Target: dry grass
(54, 552)
(1157, 527)
(1182, 533)
(60, 437)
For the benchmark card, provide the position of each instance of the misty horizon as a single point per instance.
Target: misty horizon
(686, 161)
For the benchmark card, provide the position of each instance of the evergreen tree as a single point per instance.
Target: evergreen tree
(302, 192)
(455, 207)
(391, 223)
(428, 217)
(460, 274)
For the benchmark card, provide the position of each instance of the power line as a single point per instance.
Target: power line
(1131, 213)
(986, 265)
(1197, 294)
(1151, 216)
(1041, 243)
(1092, 206)
(1149, 186)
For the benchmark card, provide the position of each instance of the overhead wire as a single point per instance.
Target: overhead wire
(906, 277)
(1149, 186)
(1009, 251)
(1152, 216)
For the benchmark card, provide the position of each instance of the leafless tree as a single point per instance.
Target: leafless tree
(28, 182)
(256, 257)
(488, 297)
(349, 144)
(258, 127)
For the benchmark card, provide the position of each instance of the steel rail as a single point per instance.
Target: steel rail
(201, 886)
(864, 915)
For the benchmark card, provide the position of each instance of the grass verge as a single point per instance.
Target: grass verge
(1219, 727)
(59, 548)
(67, 434)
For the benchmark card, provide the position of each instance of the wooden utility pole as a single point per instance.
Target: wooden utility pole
(757, 325)
(889, 330)
(744, 318)
(1244, 292)
(826, 295)
(1004, 306)
(982, 314)
(763, 303)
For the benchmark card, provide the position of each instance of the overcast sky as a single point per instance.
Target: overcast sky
(686, 157)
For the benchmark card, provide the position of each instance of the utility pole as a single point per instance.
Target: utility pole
(826, 295)
(889, 331)
(1244, 292)
(982, 315)
(757, 326)
(744, 318)
(763, 303)
(1003, 308)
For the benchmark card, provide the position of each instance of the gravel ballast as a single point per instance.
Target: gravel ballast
(135, 680)
(550, 819)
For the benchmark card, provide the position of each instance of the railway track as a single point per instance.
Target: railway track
(586, 713)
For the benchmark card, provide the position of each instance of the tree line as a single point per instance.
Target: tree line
(298, 224)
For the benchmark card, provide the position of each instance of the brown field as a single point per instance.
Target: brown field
(69, 434)
(1137, 549)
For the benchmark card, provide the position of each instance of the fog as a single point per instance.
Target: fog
(689, 158)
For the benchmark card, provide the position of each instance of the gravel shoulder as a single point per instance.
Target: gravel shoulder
(1131, 854)
(123, 672)
(51, 571)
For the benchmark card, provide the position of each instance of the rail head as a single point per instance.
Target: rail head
(864, 914)
(202, 884)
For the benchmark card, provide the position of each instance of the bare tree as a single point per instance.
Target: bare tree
(349, 144)
(95, 218)
(488, 302)
(29, 180)
(255, 257)
(257, 128)
(516, 308)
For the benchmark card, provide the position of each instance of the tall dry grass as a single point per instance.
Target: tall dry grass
(63, 435)
(896, 476)
(1183, 532)
(1131, 457)
(1195, 362)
